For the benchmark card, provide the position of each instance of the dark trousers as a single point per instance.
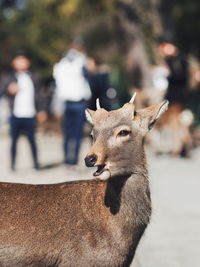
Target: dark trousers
(73, 122)
(27, 127)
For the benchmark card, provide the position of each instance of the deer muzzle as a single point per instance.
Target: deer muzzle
(102, 172)
(91, 160)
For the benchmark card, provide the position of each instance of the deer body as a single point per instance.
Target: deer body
(83, 223)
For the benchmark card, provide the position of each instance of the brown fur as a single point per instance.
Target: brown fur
(83, 223)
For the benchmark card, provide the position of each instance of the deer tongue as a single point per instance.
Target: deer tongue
(102, 173)
(99, 171)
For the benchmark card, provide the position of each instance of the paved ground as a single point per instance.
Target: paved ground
(173, 236)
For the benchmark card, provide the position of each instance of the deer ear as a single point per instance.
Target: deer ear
(90, 115)
(128, 110)
(151, 114)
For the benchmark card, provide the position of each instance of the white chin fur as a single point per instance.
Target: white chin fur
(104, 176)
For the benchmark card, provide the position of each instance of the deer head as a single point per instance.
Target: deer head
(118, 138)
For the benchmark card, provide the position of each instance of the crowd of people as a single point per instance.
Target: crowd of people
(79, 81)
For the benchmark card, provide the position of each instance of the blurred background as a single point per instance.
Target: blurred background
(111, 49)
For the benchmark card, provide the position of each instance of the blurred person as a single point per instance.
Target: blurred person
(99, 83)
(173, 131)
(23, 90)
(72, 88)
(178, 76)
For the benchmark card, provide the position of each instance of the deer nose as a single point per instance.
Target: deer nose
(90, 160)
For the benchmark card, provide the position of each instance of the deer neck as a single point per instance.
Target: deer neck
(129, 195)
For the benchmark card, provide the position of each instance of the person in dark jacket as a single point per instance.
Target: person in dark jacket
(23, 90)
(177, 64)
(98, 77)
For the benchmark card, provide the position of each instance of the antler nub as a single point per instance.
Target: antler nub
(98, 104)
(132, 98)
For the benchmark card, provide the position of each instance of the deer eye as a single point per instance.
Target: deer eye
(124, 133)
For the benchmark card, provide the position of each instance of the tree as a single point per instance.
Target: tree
(181, 23)
(122, 32)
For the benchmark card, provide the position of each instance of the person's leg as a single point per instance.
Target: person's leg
(14, 133)
(30, 128)
(68, 121)
(75, 116)
(79, 125)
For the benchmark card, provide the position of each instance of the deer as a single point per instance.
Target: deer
(94, 222)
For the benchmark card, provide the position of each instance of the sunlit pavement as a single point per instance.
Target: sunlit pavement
(50, 157)
(173, 236)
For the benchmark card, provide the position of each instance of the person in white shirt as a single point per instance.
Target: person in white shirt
(72, 88)
(23, 91)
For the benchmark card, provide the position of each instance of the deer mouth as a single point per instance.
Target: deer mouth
(100, 170)
(102, 173)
